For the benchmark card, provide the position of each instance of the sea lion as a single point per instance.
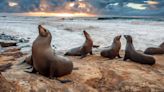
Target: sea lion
(44, 61)
(155, 50)
(132, 54)
(82, 50)
(162, 45)
(113, 51)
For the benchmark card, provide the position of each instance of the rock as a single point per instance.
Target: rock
(11, 49)
(94, 74)
(16, 54)
(8, 43)
(69, 29)
(6, 86)
(22, 40)
(7, 37)
(96, 46)
(13, 38)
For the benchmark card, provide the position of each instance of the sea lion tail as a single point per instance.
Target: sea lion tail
(5, 67)
(63, 81)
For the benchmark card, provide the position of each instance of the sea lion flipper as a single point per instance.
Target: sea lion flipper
(63, 81)
(125, 57)
(119, 56)
(66, 54)
(30, 70)
(27, 60)
(82, 56)
(52, 77)
(91, 53)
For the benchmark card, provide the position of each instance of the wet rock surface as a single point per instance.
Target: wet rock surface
(9, 40)
(94, 74)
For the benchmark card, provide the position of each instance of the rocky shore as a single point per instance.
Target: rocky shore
(94, 74)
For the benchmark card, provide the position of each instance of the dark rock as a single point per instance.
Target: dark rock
(96, 46)
(8, 43)
(7, 37)
(68, 29)
(22, 40)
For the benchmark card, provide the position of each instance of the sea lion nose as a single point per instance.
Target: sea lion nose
(84, 31)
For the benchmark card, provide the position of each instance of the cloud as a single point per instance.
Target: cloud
(104, 7)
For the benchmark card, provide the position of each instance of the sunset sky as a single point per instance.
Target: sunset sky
(102, 7)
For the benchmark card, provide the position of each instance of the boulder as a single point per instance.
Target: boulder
(8, 43)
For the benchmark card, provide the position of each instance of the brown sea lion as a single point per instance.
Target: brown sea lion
(43, 59)
(113, 51)
(155, 50)
(133, 55)
(82, 50)
(162, 45)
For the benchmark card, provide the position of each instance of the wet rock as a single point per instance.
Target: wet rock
(7, 37)
(8, 43)
(96, 46)
(69, 29)
(13, 38)
(22, 40)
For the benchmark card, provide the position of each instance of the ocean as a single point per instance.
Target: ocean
(67, 32)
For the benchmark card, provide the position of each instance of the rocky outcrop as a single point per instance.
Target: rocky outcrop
(9, 40)
(6, 86)
(94, 74)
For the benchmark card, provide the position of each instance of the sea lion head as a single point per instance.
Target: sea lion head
(162, 45)
(128, 38)
(117, 38)
(44, 34)
(86, 34)
(42, 31)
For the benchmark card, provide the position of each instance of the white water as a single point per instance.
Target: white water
(144, 33)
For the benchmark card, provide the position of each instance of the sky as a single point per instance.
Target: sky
(102, 7)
